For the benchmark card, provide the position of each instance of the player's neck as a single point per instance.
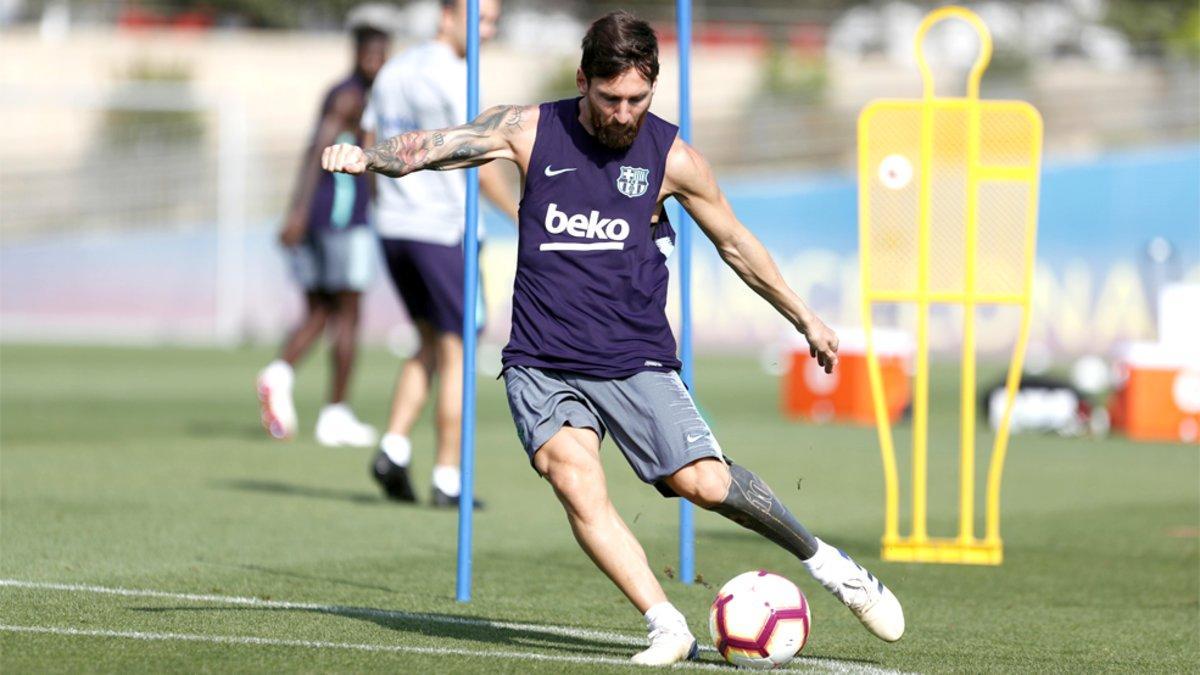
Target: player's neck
(444, 38)
(585, 116)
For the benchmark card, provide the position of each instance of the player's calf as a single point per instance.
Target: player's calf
(749, 502)
(741, 496)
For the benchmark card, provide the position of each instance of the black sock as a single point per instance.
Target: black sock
(751, 504)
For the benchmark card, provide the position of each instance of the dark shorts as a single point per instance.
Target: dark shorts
(429, 280)
(649, 415)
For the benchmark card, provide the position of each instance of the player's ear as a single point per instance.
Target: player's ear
(581, 82)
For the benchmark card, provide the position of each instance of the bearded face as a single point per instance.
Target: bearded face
(613, 134)
(617, 106)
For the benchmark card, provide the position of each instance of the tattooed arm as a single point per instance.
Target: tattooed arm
(691, 181)
(498, 133)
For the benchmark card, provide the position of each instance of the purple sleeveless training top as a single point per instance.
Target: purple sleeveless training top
(590, 292)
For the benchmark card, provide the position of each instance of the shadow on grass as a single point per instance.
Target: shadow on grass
(310, 491)
(458, 627)
(499, 632)
(510, 635)
(220, 429)
(306, 577)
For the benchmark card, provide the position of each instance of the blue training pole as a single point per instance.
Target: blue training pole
(466, 502)
(683, 21)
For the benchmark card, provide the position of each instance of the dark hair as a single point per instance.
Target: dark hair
(364, 34)
(617, 42)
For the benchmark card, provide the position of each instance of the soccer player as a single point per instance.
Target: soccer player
(420, 223)
(332, 252)
(591, 353)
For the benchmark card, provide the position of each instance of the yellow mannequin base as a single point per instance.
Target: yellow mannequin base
(954, 551)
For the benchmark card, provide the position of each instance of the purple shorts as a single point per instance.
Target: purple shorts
(429, 279)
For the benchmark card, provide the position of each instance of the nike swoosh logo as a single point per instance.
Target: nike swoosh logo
(551, 172)
(692, 438)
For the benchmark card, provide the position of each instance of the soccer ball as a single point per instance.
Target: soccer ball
(759, 620)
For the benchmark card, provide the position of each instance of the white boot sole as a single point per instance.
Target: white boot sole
(651, 657)
(885, 619)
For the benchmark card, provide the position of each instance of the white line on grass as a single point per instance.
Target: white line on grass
(369, 612)
(319, 644)
(831, 665)
(322, 644)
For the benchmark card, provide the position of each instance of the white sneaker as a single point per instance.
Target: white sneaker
(669, 644)
(337, 427)
(274, 386)
(864, 595)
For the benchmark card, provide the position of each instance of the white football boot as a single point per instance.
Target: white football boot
(274, 386)
(864, 595)
(669, 644)
(338, 427)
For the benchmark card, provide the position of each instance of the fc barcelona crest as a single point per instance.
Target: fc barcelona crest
(633, 181)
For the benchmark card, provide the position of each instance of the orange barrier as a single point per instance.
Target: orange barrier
(845, 395)
(1158, 395)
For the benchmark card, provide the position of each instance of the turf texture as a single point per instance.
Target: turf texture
(146, 470)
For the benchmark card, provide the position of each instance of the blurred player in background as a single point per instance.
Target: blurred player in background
(420, 222)
(332, 250)
(591, 352)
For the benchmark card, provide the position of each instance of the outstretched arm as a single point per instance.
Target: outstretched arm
(492, 135)
(690, 180)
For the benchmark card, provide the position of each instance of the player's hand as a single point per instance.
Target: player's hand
(822, 343)
(344, 158)
(293, 230)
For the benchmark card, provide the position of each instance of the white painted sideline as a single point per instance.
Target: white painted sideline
(320, 644)
(829, 665)
(368, 612)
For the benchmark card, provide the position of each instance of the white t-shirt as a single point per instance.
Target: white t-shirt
(422, 88)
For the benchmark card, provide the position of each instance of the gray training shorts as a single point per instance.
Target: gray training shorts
(650, 416)
(331, 261)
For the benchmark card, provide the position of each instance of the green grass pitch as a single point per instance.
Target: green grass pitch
(145, 469)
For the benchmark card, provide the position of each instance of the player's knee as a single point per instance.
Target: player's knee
(570, 477)
(347, 323)
(566, 480)
(345, 328)
(579, 491)
(426, 355)
(449, 416)
(317, 320)
(346, 312)
(704, 483)
(318, 311)
(427, 334)
(450, 348)
(565, 475)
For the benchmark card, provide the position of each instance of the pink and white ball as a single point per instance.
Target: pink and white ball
(759, 620)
